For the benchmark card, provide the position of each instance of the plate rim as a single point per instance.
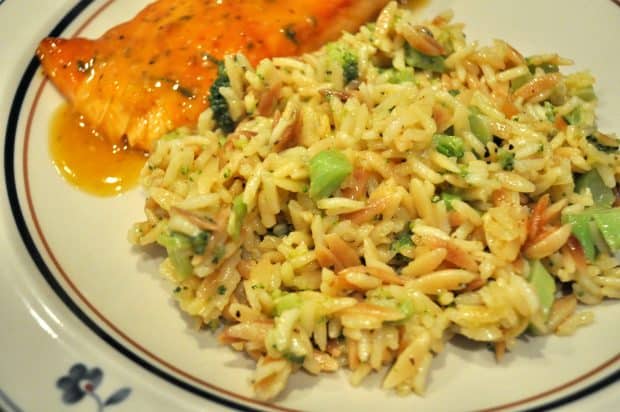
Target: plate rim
(15, 115)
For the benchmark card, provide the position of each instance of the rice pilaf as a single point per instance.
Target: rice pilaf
(377, 197)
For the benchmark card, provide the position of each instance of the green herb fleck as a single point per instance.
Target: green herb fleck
(506, 159)
(239, 210)
(549, 111)
(200, 242)
(291, 357)
(546, 67)
(213, 325)
(219, 105)
(402, 240)
(401, 76)
(290, 33)
(218, 253)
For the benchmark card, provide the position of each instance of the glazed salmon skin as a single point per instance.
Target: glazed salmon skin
(152, 74)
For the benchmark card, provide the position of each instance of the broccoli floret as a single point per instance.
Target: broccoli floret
(219, 105)
(506, 159)
(401, 76)
(328, 169)
(180, 247)
(448, 197)
(346, 58)
(349, 67)
(449, 145)
(402, 240)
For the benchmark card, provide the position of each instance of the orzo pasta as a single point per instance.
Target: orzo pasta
(380, 195)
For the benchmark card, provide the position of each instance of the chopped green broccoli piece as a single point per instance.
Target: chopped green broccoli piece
(213, 325)
(406, 308)
(450, 146)
(219, 105)
(586, 93)
(350, 69)
(346, 58)
(286, 302)
(448, 197)
(581, 229)
(544, 285)
(401, 240)
(415, 58)
(602, 195)
(328, 169)
(218, 253)
(591, 224)
(479, 126)
(516, 83)
(177, 133)
(239, 210)
(179, 248)
(506, 159)
(291, 357)
(549, 111)
(401, 76)
(608, 223)
(546, 67)
(574, 117)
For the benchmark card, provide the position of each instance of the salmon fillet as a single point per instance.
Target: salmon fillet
(152, 74)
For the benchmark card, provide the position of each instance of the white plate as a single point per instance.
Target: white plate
(73, 291)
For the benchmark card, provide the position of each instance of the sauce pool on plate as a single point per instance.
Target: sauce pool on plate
(87, 160)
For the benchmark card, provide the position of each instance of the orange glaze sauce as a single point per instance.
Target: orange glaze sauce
(87, 160)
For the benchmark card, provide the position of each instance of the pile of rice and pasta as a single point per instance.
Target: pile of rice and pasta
(359, 206)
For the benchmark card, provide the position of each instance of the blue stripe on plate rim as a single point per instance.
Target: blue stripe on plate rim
(5, 400)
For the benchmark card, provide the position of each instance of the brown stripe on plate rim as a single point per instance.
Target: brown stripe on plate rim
(167, 364)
